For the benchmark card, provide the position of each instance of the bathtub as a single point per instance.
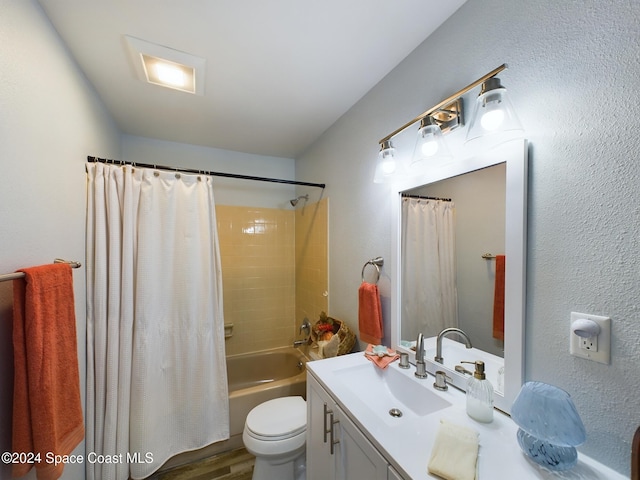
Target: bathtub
(253, 378)
(260, 376)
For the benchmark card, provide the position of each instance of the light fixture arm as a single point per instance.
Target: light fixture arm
(445, 102)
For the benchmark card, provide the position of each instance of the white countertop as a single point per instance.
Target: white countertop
(406, 442)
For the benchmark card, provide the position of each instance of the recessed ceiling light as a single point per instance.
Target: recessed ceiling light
(167, 67)
(169, 74)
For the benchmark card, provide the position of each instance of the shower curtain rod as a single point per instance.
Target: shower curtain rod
(204, 172)
(14, 276)
(406, 195)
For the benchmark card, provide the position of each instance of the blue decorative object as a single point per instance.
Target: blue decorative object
(550, 427)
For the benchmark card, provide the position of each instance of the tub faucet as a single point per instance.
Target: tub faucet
(438, 358)
(306, 327)
(421, 369)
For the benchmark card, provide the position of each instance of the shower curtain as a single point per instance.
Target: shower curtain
(156, 373)
(429, 296)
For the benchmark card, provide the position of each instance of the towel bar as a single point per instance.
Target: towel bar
(16, 275)
(376, 262)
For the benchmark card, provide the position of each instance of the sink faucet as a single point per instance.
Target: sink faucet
(421, 368)
(438, 358)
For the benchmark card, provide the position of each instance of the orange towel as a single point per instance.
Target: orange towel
(498, 299)
(47, 413)
(382, 362)
(369, 313)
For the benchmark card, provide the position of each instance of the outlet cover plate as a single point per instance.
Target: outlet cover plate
(603, 353)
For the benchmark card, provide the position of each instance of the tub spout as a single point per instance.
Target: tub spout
(297, 343)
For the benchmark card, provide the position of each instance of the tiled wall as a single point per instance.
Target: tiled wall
(312, 276)
(259, 270)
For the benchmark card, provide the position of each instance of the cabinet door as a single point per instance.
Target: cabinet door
(393, 474)
(356, 456)
(320, 408)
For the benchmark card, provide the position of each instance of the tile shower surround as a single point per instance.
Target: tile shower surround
(274, 272)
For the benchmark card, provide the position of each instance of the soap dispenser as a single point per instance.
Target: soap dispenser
(479, 395)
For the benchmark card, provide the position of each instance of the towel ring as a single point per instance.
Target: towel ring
(376, 262)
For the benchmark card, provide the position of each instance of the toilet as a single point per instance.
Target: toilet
(274, 432)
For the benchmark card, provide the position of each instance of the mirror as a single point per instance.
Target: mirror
(487, 215)
(452, 231)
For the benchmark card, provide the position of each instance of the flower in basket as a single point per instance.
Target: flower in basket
(325, 328)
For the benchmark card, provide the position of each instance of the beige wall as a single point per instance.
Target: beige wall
(312, 274)
(265, 253)
(258, 276)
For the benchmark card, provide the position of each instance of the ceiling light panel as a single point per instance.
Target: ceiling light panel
(167, 67)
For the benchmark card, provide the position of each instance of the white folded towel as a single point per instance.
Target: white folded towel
(455, 452)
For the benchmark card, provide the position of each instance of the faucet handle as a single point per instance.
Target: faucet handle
(306, 326)
(441, 381)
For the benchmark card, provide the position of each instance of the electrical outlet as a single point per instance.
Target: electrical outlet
(595, 347)
(589, 343)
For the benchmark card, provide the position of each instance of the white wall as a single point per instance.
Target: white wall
(50, 119)
(573, 76)
(227, 191)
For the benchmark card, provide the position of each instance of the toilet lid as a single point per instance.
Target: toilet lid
(278, 418)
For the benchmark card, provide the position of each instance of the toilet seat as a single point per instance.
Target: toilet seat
(278, 419)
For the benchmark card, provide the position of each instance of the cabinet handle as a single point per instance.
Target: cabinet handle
(333, 441)
(326, 430)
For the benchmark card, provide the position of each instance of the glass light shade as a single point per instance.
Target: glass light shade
(387, 165)
(550, 427)
(493, 112)
(429, 146)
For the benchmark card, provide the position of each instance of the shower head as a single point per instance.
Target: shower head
(295, 201)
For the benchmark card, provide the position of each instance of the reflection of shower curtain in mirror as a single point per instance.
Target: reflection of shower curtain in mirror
(156, 372)
(429, 297)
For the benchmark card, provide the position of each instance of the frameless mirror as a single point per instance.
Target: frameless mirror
(459, 227)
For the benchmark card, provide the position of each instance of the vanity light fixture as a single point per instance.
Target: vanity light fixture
(493, 111)
(429, 145)
(387, 165)
(442, 118)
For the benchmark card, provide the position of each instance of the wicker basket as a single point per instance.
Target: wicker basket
(336, 327)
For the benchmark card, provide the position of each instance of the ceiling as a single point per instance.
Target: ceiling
(278, 72)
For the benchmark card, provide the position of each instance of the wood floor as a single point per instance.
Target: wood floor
(233, 465)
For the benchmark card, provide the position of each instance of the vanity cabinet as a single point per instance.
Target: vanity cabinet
(336, 448)
(349, 398)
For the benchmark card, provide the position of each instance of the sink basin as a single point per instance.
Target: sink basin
(391, 389)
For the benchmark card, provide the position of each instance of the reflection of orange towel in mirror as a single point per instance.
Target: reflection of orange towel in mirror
(498, 299)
